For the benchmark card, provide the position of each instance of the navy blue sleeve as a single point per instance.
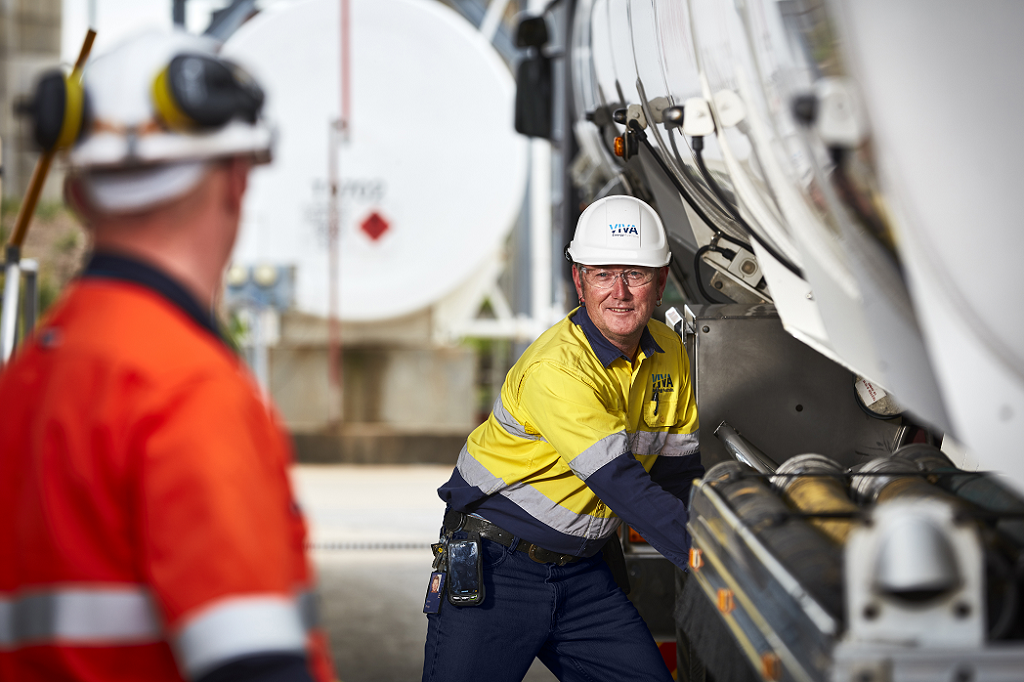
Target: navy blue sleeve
(676, 474)
(628, 490)
(264, 668)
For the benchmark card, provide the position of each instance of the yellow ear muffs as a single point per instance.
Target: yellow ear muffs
(74, 112)
(58, 110)
(167, 106)
(203, 92)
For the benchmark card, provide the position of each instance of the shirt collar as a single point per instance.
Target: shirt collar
(127, 269)
(602, 347)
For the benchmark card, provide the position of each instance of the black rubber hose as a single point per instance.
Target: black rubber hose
(698, 147)
(634, 125)
(710, 198)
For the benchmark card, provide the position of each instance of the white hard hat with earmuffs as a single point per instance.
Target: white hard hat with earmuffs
(619, 230)
(149, 117)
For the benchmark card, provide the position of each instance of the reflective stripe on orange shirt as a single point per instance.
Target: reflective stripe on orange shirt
(126, 615)
(238, 627)
(80, 616)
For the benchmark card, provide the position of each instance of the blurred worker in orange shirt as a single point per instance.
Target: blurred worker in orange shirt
(148, 530)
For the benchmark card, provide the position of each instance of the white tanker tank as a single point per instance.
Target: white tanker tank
(847, 170)
(431, 174)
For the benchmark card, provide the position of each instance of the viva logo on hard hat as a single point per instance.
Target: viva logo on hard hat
(623, 229)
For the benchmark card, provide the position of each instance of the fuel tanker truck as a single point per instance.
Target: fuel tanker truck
(839, 181)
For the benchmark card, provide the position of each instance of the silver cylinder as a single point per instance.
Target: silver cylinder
(743, 451)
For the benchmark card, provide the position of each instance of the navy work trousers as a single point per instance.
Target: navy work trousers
(574, 618)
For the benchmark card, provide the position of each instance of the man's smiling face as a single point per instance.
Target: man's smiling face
(620, 312)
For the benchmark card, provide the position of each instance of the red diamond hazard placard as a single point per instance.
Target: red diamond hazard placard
(374, 225)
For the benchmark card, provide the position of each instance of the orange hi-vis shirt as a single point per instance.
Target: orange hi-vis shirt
(148, 529)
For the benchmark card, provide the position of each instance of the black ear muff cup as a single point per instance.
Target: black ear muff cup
(47, 109)
(202, 92)
(58, 111)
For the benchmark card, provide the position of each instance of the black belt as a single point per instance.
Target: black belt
(454, 520)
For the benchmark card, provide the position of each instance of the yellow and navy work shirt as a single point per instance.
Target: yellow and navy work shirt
(582, 437)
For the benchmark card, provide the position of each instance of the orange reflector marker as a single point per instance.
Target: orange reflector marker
(771, 667)
(635, 537)
(725, 601)
(620, 146)
(696, 559)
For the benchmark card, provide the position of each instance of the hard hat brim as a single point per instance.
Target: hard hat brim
(124, 191)
(618, 257)
(111, 150)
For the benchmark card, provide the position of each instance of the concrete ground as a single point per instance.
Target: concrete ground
(371, 528)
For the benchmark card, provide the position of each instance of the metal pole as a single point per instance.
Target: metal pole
(346, 70)
(540, 232)
(540, 223)
(569, 210)
(3, 355)
(333, 331)
(745, 453)
(338, 133)
(260, 353)
(9, 321)
(30, 270)
(7, 348)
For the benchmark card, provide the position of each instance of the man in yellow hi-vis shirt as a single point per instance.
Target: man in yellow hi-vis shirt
(595, 423)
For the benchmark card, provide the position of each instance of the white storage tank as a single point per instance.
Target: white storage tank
(432, 173)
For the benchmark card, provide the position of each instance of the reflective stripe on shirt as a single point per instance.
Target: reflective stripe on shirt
(665, 444)
(477, 474)
(79, 617)
(535, 503)
(309, 609)
(599, 454)
(126, 616)
(554, 515)
(238, 627)
(510, 423)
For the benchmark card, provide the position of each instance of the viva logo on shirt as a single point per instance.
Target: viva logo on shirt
(659, 383)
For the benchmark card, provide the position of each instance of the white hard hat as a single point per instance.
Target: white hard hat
(157, 109)
(620, 230)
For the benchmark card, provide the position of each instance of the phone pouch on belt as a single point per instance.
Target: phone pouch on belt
(465, 572)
